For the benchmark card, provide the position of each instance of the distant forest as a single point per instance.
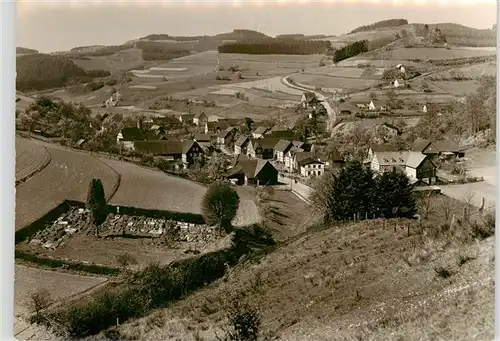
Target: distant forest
(168, 37)
(381, 24)
(161, 51)
(350, 50)
(43, 71)
(277, 46)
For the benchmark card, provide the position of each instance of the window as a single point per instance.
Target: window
(319, 172)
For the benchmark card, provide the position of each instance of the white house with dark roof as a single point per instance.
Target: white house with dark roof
(416, 166)
(241, 145)
(280, 150)
(311, 166)
(259, 132)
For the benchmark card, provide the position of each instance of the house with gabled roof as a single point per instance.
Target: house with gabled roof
(241, 144)
(259, 132)
(215, 126)
(128, 136)
(186, 118)
(309, 99)
(440, 148)
(290, 156)
(200, 119)
(417, 166)
(262, 148)
(398, 82)
(280, 150)
(310, 167)
(253, 172)
(226, 137)
(185, 150)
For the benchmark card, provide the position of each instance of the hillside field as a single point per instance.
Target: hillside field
(66, 177)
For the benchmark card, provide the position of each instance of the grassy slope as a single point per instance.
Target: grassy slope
(361, 281)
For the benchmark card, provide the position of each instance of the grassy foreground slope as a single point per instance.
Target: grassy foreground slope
(361, 281)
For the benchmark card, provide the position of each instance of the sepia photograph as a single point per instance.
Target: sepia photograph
(254, 170)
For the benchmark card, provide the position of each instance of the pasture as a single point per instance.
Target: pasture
(426, 53)
(61, 285)
(67, 176)
(472, 71)
(114, 63)
(459, 88)
(30, 157)
(332, 82)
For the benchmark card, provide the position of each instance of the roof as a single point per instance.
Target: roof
(251, 167)
(309, 96)
(202, 138)
(400, 80)
(217, 124)
(295, 150)
(283, 145)
(414, 159)
(420, 144)
(392, 158)
(224, 133)
(299, 156)
(261, 130)
(133, 134)
(198, 115)
(241, 140)
(266, 143)
(234, 121)
(282, 134)
(187, 116)
(447, 146)
(240, 157)
(167, 147)
(308, 161)
(392, 126)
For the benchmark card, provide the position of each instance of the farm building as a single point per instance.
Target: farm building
(346, 109)
(253, 172)
(290, 157)
(389, 130)
(215, 126)
(281, 149)
(262, 148)
(308, 99)
(200, 119)
(398, 82)
(417, 166)
(186, 118)
(186, 150)
(204, 140)
(441, 148)
(127, 137)
(241, 144)
(377, 105)
(378, 148)
(259, 132)
(168, 122)
(310, 166)
(332, 159)
(283, 134)
(237, 158)
(226, 137)
(424, 108)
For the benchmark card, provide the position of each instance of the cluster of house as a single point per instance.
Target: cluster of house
(418, 163)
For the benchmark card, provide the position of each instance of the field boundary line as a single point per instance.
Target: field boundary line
(118, 179)
(46, 161)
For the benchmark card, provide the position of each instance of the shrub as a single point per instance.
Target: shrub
(244, 322)
(443, 272)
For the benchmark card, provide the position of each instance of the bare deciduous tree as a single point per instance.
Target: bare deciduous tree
(39, 300)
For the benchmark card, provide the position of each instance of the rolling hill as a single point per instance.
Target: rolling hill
(24, 50)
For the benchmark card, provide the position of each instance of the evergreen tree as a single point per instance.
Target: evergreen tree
(394, 195)
(347, 194)
(96, 203)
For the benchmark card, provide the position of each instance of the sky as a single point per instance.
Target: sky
(60, 26)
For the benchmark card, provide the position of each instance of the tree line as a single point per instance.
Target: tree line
(42, 71)
(350, 50)
(381, 24)
(277, 46)
(355, 193)
(162, 51)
